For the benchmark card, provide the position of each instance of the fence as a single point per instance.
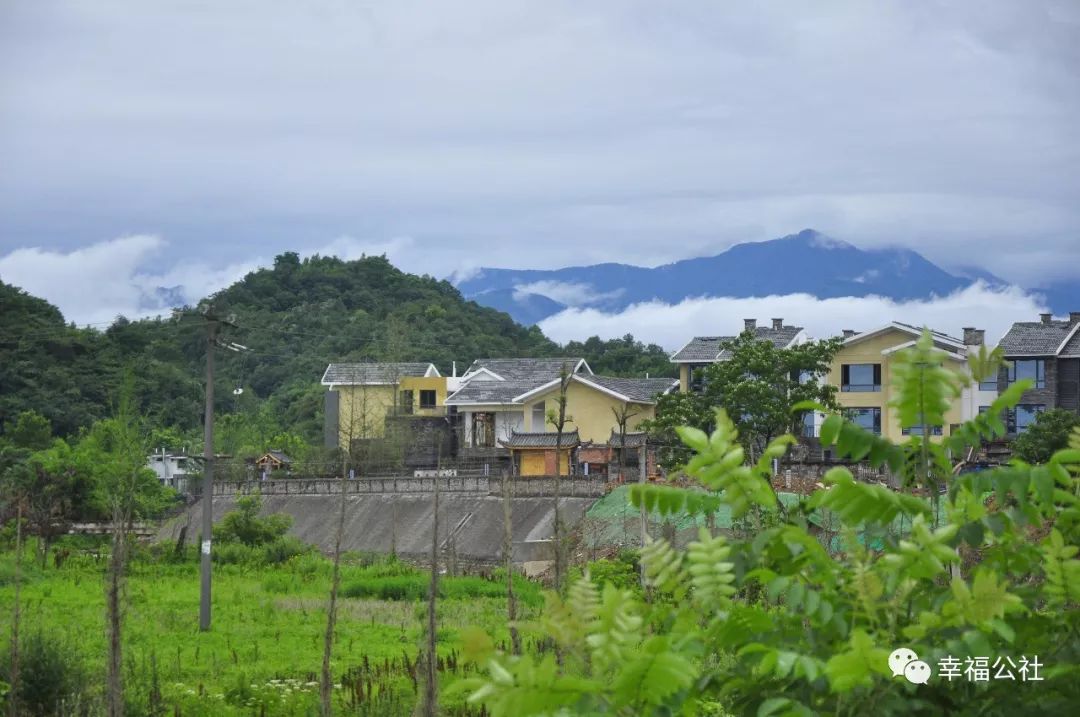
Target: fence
(570, 486)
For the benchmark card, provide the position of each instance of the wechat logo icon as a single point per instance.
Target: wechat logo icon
(905, 662)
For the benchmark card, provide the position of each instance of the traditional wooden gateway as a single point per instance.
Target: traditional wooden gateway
(273, 461)
(533, 454)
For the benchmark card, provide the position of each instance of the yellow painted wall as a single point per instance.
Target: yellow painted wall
(869, 351)
(684, 378)
(416, 384)
(590, 410)
(362, 411)
(541, 462)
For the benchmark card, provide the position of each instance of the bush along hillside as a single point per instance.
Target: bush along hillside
(967, 609)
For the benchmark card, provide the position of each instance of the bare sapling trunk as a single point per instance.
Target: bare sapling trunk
(431, 681)
(508, 560)
(559, 420)
(13, 705)
(326, 683)
(114, 685)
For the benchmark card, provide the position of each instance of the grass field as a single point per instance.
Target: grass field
(264, 652)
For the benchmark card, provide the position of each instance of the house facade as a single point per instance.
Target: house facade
(501, 397)
(701, 351)
(361, 397)
(1046, 351)
(862, 372)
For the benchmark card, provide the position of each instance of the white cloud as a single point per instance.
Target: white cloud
(566, 292)
(671, 326)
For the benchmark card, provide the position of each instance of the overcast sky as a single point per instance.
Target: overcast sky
(186, 142)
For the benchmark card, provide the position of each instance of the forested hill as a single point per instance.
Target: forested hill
(294, 318)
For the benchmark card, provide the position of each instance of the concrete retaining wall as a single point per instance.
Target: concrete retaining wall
(376, 521)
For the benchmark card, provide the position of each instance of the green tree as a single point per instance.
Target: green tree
(1048, 434)
(31, 431)
(788, 621)
(244, 525)
(758, 384)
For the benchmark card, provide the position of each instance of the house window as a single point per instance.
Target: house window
(920, 430)
(860, 377)
(990, 383)
(867, 418)
(427, 399)
(808, 428)
(405, 400)
(697, 378)
(1023, 416)
(539, 417)
(1034, 369)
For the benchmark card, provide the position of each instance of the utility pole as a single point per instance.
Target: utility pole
(208, 478)
(213, 322)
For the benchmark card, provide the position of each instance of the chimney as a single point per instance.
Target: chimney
(1046, 318)
(1074, 318)
(778, 324)
(848, 333)
(973, 336)
(749, 324)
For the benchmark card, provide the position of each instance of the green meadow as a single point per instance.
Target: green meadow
(263, 654)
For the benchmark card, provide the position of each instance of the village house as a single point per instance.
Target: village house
(1047, 352)
(509, 403)
(362, 397)
(702, 351)
(862, 372)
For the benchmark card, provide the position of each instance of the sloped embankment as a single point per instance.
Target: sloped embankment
(376, 522)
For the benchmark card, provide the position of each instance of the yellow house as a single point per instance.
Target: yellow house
(361, 396)
(500, 397)
(862, 373)
(533, 454)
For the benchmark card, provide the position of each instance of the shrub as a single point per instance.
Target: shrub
(52, 680)
(244, 525)
(284, 549)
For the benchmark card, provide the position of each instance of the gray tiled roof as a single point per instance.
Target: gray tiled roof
(701, 348)
(1034, 338)
(540, 370)
(358, 374)
(705, 349)
(1073, 347)
(491, 392)
(540, 440)
(641, 390)
(633, 440)
(520, 375)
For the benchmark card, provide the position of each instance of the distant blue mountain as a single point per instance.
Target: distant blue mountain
(808, 262)
(526, 308)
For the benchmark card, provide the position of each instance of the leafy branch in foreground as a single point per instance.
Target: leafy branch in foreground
(781, 622)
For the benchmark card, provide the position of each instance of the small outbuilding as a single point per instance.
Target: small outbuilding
(533, 454)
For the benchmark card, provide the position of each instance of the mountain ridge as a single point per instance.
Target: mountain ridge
(807, 262)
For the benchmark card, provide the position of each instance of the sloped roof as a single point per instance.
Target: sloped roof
(530, 369)
(540, 440)
(633, 439)
(638, 390)
(276, 455)
(1034, 338)
(705, 349)
(361, 374)
(1072, 346)
(514, 377)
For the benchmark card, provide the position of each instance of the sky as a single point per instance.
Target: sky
(163, 144)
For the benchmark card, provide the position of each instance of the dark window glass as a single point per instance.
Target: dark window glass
(406, 401)
(867, 418)
(1034, 369)
(427, 399)
(1023, 416)
(860, 377)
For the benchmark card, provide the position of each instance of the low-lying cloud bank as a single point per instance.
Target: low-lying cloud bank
(97, 283)
(672, 325)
